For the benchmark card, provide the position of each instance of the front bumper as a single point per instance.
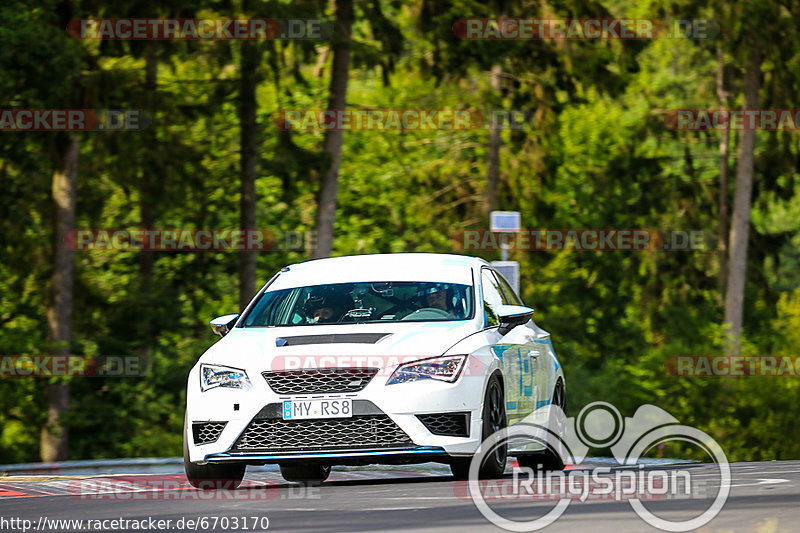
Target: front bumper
(401, 403)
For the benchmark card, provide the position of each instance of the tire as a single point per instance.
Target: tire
(549, 459)
(314, 473)
(494, 419)
(210, 476)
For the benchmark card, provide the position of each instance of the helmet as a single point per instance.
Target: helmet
(321, 298)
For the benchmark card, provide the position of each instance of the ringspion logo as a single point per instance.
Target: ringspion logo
(599, 425)
(597, 484)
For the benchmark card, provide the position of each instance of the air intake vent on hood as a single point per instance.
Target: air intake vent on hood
(334, 338)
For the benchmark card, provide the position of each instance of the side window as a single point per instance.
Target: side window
(509, 296)
(492, 297)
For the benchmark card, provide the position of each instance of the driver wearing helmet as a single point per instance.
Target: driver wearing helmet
(325, 307)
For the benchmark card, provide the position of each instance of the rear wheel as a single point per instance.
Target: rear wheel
(305, 473)
(550, 459)
(494, 419)
(210, 476)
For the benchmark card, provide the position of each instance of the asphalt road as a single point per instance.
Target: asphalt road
(764, 498)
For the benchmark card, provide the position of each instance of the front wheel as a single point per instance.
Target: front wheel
(305, 473)
(494, 419)
(210, 476)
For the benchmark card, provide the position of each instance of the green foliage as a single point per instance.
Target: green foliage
(596, 154)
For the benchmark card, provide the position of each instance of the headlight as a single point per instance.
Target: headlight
(439, 368)
(212, 376)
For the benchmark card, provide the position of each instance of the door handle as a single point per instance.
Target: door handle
(533, 354)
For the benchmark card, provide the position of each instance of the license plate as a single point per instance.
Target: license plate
(303, 409)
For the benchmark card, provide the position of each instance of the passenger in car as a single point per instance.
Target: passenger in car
(437, 298)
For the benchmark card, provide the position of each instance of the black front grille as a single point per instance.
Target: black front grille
(321, 380)
(207, 432)
(448, 424)
(360, 431)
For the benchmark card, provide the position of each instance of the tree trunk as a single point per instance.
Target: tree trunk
(55, 435)
(321, 60)
(146, 192)
(337, 100)
(493, 156)
(722, 211)
(251, 58)
(740, 226)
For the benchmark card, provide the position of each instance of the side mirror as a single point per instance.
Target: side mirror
(223, 324)
(512, 316)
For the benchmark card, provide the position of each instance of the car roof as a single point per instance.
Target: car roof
(380, 267)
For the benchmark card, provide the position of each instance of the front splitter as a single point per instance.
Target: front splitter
(417, 454)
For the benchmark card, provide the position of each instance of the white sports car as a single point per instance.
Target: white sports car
(395, 358)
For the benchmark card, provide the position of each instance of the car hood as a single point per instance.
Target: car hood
(329, 346)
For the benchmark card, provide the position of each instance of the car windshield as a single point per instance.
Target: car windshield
(368, 302)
